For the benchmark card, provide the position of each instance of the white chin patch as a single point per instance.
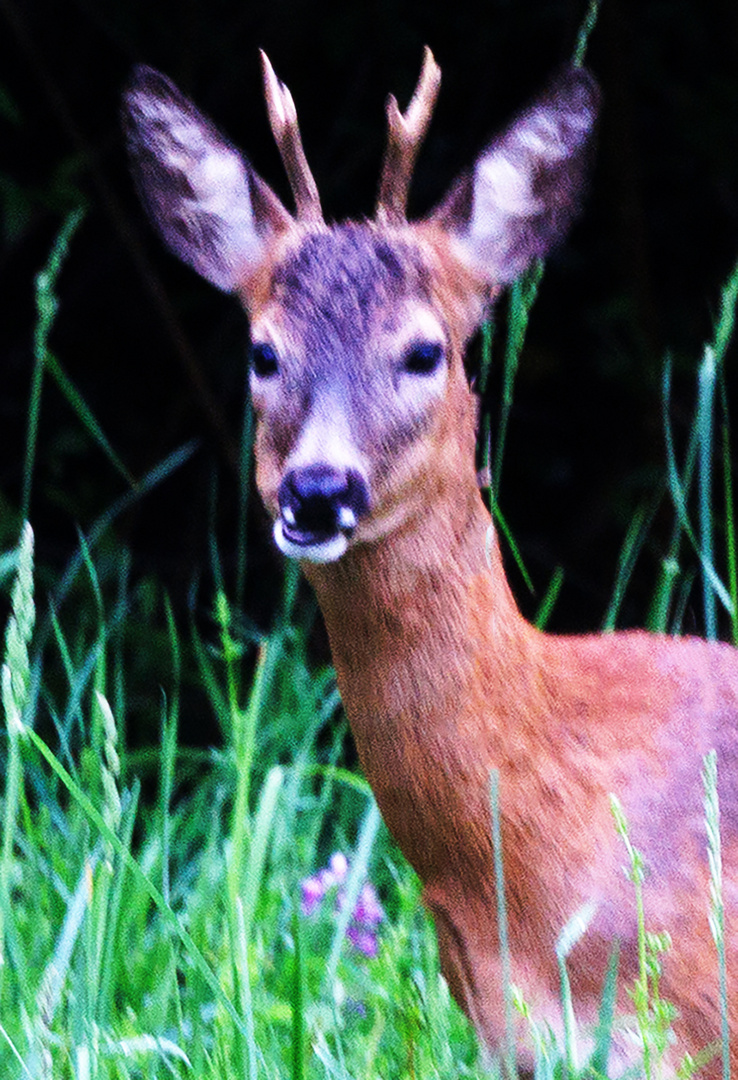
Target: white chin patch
(328, 551)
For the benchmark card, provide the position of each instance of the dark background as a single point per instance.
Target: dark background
(159, 356)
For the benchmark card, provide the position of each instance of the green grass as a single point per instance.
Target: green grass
(151, 922)
(165, 937)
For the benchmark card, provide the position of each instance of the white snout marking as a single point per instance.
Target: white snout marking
(328, 551)
(326, 439)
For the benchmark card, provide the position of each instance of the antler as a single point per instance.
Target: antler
(405, 134)
(286, 132)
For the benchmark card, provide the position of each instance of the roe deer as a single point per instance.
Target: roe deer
(365, 461)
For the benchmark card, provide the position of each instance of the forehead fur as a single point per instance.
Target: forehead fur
(345, 277)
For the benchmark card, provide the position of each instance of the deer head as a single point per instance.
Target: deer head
(358, 330)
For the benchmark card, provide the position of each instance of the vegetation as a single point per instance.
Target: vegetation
(228, 904)
(240, 911)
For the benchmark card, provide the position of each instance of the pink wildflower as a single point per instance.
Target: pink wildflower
(368, 912)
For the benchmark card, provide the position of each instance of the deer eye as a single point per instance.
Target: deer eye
(264, 363)
(423, 359)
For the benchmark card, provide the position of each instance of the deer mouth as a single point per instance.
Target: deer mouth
(317, 547)
(319, 510)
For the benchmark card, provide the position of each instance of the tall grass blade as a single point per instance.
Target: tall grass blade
(82, 676)
(505, 530)
(299, 1026)
(654, 1014)
(721, 339)
(359, 864)
(606, 1016)
(46, 308)
(127, 860)
(730, 540)
(574, 930)
(588, 25)
(717, 907)
(244, 724)
(54, 977)
(262, 827)
(15, 697)
(636, 873)
(522, 297)
(120, 612)
(726, 319)
(246, 1039)
(669, 574)
(678, 494)
(216, 695)
(86, 416)
(169, 731)
(116, 903)
(509, 1056)
(25, 1071)
(99, 672)
(47, 305)
(705, 400)
(657, 620)
(681, 602)
(634, 539)
(550, 597)
(700, 449)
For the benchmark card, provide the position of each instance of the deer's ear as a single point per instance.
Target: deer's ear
(210, 207)
(526, 187)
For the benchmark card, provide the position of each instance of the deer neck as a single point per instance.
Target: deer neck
(413, 620)
(400, 611)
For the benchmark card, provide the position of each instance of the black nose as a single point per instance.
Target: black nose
(317, 502)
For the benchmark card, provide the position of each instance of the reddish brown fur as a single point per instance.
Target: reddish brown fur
(441, 677)
(443, 681)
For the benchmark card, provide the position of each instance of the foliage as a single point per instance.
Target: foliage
(151, 922)
(168, 939)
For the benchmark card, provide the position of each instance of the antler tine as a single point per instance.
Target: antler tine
(405, 134)
(283, 122)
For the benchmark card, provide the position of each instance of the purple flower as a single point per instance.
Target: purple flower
(314, 888)
(365, 941)
(338, 867)
(368, 909)
(312, 894)
(367, 914)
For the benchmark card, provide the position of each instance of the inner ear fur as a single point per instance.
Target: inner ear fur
(526, 187)
(206, 201)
